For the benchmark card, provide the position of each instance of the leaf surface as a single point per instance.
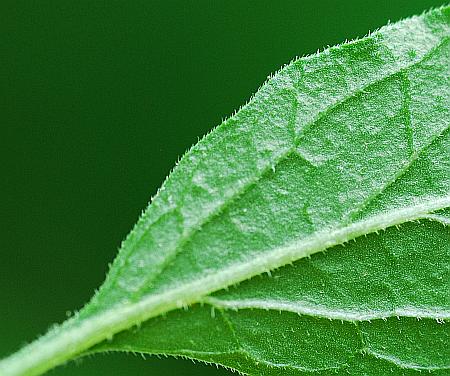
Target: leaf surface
(346, 151)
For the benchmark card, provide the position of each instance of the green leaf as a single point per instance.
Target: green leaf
(346, 151)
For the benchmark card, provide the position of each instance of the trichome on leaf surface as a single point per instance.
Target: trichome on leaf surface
(346, 151)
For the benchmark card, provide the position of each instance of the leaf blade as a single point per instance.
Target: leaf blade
(333, 147)
(195, 210)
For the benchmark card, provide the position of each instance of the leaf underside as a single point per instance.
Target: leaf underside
(346, 151)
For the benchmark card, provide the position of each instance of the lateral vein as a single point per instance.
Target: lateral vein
(306, 308)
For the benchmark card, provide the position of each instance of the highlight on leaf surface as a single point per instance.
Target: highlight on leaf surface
(346, 151)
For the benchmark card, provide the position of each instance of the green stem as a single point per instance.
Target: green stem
(74, 337)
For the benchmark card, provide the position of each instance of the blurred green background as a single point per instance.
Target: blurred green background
(98, 99)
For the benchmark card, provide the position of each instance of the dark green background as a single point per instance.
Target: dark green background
(98, 99)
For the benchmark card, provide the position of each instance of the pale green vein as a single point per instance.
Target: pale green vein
(256, 359)
(401, 172)
(53, 349)
(315, 310)
(402, 364)
(397, 70)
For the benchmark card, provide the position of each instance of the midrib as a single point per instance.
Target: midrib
(195, 291)
(75, 337)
